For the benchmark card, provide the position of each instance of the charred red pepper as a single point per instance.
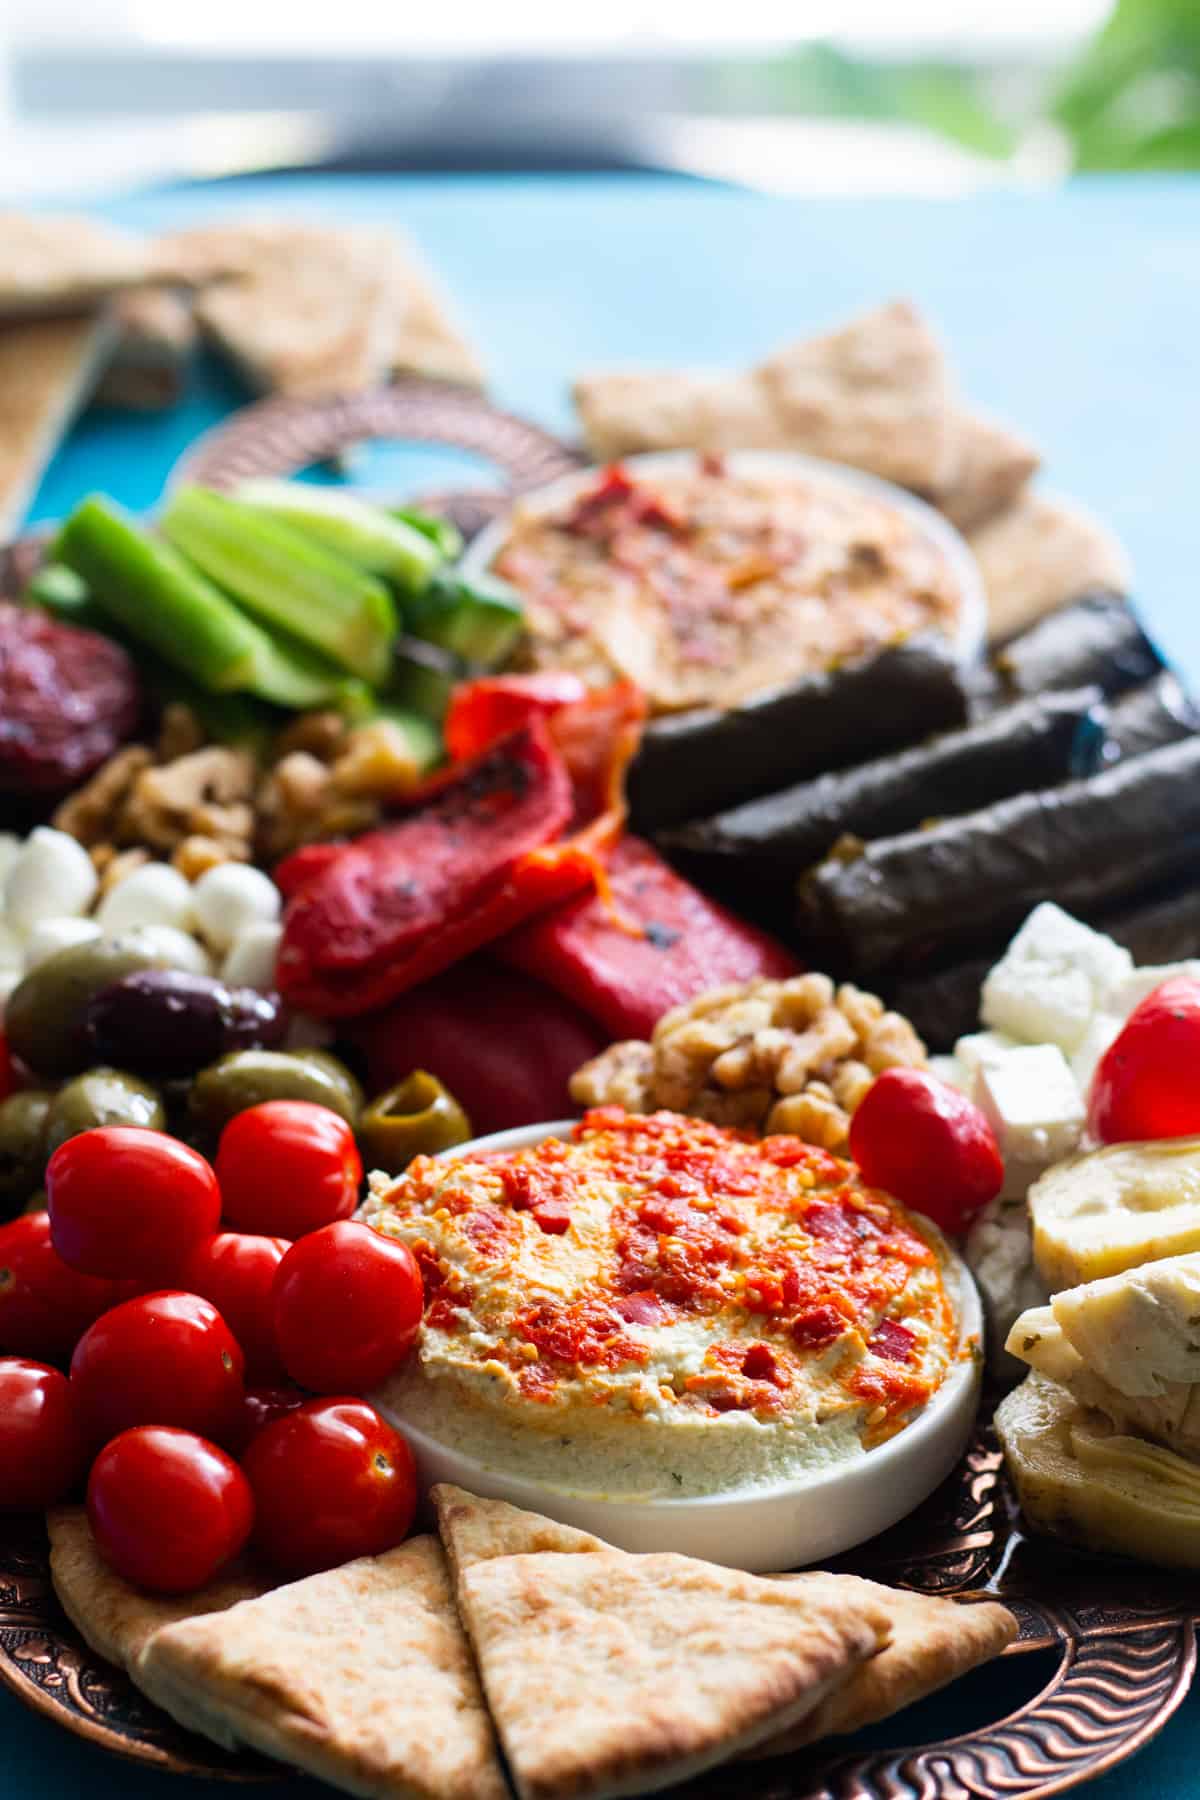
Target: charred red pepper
(681, 945)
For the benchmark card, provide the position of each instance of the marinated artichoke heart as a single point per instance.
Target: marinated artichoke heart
(1078, 1479)
(1111, 1209)
(1129, 1346)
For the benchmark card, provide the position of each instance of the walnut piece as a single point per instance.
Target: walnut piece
(793, 1056)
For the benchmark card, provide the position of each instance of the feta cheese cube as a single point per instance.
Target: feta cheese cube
(1052, 978)
(952, 1071)
(1133, 988)
(981, 1047)
(1096, 1039)
(1032, 1102)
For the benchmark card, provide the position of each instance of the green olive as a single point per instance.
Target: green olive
(102, 1097)
(417, 1118)
(22, 1157)
(248, 1077)
(44, 1017)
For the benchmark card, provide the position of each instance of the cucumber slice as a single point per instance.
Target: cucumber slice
(479, 620)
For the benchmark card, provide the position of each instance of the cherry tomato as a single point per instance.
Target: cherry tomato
(124, 1201)
(167, 1509)
(235, 1271)
(922, 1141)
(42, 1452)
(348, 1305)
(1146, 1084)
(287, 1167)
(45, 1307)
(161, 1359)
(260, 1406)
(331, 1481)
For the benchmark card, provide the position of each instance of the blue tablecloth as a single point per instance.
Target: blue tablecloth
(1076, 315)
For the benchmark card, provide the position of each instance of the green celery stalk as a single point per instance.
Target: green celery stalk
(443, 533)
(350, 526)
(59, 590)
(478, 620)
(424, 738)
(157, 599)
(286, 579)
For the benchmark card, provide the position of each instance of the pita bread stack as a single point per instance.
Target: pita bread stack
(878, 395)
(523, 1645)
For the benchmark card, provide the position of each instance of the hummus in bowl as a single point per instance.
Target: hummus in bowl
(707, 580)
(679, 1337)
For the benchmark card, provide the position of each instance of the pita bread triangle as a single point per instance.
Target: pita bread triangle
(611, 1674)
(933, 1642)
(115, 1618)
(361, 1676)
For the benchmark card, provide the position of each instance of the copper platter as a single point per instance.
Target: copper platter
(1124, 1636)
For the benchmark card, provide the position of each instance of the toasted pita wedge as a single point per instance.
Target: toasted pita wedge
(994, 466)
(48, 368)
(623, 414)
(427, 337)
(933, 1642)
(155, 337)
(611, 1674)
(56, 264)
(361, 1676)
(476, 1530)
(115, 1618)
(1041, 553)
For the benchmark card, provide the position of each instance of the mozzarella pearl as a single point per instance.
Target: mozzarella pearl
(229, 898)
(51, 876)
(155, 894)
(250, 959)
(177, 948)
(52, 935)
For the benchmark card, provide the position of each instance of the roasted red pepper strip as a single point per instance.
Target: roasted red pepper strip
(400, 904)
(686, 944)
(481, 711)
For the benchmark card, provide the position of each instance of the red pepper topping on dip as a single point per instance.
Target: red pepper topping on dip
(664, 1270)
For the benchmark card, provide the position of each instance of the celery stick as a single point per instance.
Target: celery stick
(423, 680)
(157, 597)
(478, 619)
(347, 524)
(286, 579)
(59, 590)
(443, 533)
(159, 600)
(423, 736)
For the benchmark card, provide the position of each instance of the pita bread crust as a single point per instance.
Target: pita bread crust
(320, 310)
(933, 1642)
(52, 264)
(875, 394)
(610, 1674)
(1041, 553)
(627, 413)
(116, 1619)
(475, 1530)
(994, 467)
(361, 1676)
(48, 368)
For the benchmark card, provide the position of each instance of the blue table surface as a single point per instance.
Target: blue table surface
(1075, 314)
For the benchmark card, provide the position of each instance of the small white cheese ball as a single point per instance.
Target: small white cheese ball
(12, 950)
(250, 959)
(51, 876)
(229, 898)
(155, 894)
(52, 935)
(178, 949)
(10, 849)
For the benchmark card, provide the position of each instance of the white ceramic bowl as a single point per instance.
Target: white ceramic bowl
(971, 635)
(762, 1528)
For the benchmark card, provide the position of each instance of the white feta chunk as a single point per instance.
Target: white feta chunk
(1033, 1104)
(10, 849)
(999, 1253)
(950, 1070)
(51, 875)
(1133, 988)
(1054, 975)
(1099, 1035)
(981, 1047)
(12, 950)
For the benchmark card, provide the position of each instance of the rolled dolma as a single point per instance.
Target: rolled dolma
(693, 761)
(1033, 744)
(1149, 716)
(942, 1004)
(1097, 640)
(1087, 844)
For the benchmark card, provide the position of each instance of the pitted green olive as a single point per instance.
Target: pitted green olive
(249, 1077)
(22, 1153)
(417, 1118)
(102, 1096)
(44, 1020)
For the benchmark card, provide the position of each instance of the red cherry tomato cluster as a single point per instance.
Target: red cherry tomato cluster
(924, 1142)
(1145, 1084)
(164, 1284)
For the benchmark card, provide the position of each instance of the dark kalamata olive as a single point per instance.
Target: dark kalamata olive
(167, 1022)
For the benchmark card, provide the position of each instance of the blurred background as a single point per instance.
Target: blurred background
(820, 96)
